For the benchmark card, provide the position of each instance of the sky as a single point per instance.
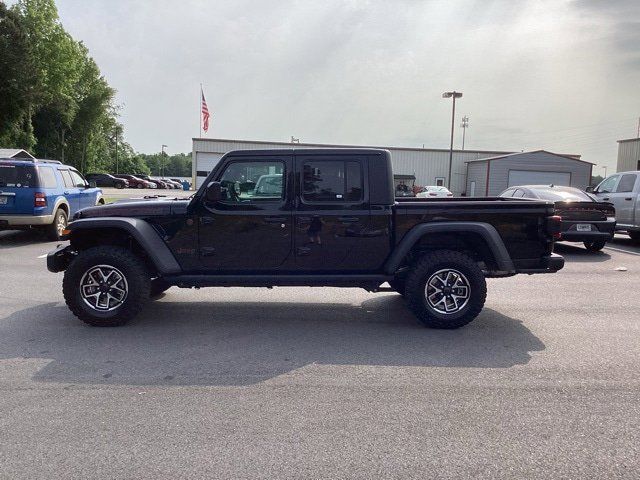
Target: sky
(558, 75)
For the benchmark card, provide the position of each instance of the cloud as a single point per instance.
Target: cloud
(369, 72)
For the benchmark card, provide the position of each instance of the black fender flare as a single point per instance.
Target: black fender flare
(142, 232)
(485, 230)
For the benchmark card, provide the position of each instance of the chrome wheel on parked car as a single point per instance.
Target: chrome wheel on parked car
(104, 288)
(447, 291)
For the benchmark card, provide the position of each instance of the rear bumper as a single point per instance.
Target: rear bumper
(24, 220)
(58, 260)
(550, 264)
(600, 231)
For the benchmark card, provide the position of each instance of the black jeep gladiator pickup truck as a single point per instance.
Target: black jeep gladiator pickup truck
(307, 218)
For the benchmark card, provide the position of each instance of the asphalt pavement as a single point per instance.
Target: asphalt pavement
(324, 382)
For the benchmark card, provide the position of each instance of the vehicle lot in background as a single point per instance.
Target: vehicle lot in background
(105, 180)
(339, 382)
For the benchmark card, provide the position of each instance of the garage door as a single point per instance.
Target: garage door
(531, 177)
(205, 162)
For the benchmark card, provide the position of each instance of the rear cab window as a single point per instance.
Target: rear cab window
(626, 183)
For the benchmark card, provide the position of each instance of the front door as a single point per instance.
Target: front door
(71, 192)
(250, 228)
(332, 215)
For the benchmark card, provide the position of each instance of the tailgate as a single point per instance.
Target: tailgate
(17, 184)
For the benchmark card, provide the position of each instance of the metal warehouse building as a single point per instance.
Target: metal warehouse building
(628, 155)
(429, 166)
(490, 176)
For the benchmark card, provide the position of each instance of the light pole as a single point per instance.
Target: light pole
(605, 171)
(453, 95)
(162, 160)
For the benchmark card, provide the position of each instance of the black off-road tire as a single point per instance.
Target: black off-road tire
(133, 269)
(635, 236)
(399, 285)
(426, 267)
(595, 246)
(54, 231)
(158, 287)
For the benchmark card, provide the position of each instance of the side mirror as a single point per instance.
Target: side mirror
(213, 193)
(92, 184)
(590, 190)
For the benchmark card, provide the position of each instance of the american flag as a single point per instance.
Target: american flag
(205, 113)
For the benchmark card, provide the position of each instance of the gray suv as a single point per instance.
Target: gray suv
(622, 189)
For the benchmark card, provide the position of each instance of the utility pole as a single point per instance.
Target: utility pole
(117, 150)
(464, 125)
(162, 154)
(605, 171)
(453, 95)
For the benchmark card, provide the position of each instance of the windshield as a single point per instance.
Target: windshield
(17, 176)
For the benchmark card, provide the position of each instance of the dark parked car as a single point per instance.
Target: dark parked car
(158, 183)
(584, 219)
(172, 183)
(106, 180)
(135, 182)
(327, 218)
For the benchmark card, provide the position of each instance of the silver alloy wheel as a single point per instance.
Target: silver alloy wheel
(447, 291)
(61, 223)
(103, 288)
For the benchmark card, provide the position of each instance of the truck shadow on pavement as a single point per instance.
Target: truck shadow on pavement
(577, 253)
(239, 343)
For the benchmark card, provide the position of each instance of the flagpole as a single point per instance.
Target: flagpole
(200, 111)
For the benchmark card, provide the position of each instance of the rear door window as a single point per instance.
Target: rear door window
(626, 183)
(332, 181)
(18, 176)
(47, 177)
(66, 176)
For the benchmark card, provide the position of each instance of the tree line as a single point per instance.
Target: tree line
(55, 103)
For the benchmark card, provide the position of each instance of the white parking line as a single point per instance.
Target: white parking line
(621, 250)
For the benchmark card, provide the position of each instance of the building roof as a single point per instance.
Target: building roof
(14, 153)
(330, 145)
(500, 157)
(629, 140)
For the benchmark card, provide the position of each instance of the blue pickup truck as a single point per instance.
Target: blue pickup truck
(42, 194)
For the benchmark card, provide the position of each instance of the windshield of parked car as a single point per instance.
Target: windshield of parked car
(17, 176)
(562, 195)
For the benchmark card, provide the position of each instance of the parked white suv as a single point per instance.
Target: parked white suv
(622, 189)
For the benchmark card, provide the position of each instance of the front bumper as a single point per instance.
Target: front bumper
(59, 259)
(24, 220)
(549, 264)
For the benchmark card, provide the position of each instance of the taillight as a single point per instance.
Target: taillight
(39, 199)
(554, 226)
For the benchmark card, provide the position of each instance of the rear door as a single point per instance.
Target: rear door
(71, 191)
(332, 214)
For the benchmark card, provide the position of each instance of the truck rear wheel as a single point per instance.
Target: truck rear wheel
(106, 286)
(446, 289)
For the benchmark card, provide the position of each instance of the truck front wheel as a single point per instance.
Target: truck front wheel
(106, 286)
(446, 289)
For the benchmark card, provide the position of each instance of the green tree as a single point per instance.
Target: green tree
(17, 81)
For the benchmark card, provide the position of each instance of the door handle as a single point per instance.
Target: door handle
(606, 199)
(348, 219)
(629, 199)
(275, 219)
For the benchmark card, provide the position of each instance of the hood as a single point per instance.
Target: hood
(148, 207)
